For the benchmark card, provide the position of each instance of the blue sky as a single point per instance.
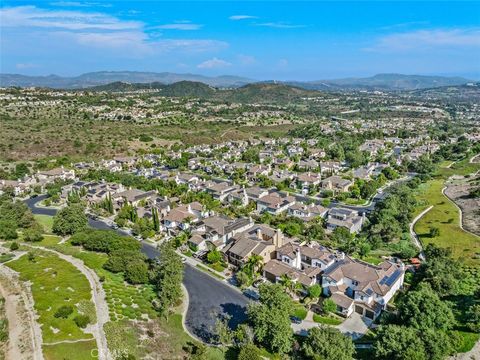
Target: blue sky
(262, 40)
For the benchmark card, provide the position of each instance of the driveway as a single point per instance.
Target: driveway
(355, 326)
(209, 298)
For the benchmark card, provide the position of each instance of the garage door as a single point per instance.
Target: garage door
(369, 314)
(359, 309)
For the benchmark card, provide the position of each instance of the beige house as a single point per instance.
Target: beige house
(336, 184)
(259, 240)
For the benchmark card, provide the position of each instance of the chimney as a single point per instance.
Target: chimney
(278, 238)
(259, 234)
(298, 259)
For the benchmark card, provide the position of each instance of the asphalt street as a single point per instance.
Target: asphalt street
(209, 298)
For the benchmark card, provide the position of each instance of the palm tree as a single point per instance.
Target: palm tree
(254, 264)
(287, 283)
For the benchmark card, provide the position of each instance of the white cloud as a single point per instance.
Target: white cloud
(79, 4)
(280, 25)
(99, 31)
(23, 66)
(214, 63)
(427, 39)
(242, 17)
(30, 16)
(178, 26)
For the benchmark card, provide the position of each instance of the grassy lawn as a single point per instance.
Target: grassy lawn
(328, 320)
(468, 340)
(445, 216)
(73, 351)
(124, 301)
(55, 282)
(299, 311)
(46, 221)
(205, 268)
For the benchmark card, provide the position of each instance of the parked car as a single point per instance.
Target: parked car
(258, 282)
(251, 294)
(295, 320)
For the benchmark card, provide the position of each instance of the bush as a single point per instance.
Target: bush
(329, 306)
(33, 234)
(14, 246)
(82, 321)
(70, 220)
(249, 352)
(136, 272)
(8, 230)
(64, 311)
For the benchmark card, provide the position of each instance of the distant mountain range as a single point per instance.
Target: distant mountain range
(384, 82)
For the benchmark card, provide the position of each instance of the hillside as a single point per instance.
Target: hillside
(384, 82)
(251, 93)
(107, 77)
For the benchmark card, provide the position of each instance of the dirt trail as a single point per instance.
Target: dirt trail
(414, 235)
(98, 297)
(25, 335)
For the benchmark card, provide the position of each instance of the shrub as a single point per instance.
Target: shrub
(136, 272)
(82, 321)
(14, 246)
(249, 352)
(64, 311)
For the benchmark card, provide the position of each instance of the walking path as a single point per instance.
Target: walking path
(98, 297)
(24, 332)
(414, 235)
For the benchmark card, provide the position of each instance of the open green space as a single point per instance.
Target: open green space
(124, 301)
(56, 283)
(45, 221)
(445, 216)
(83, 350)
(327, 320)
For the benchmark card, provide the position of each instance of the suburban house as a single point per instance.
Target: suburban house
(57, 173)
(329, 167)
(183, 216)
(132, 197)
(307, 212)
(336, 184)
(347, 218)
(217, 230)
(307, 180)
(19, 187)
(220, 190)
(275, 203)
(259, 240)
(303, 264)
(358, 286)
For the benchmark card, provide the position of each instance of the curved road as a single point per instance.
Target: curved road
(210, 299)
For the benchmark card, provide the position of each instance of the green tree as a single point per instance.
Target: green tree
(33, 233)
(440, 270)
(394, 342)
(270, 318)
(8, 230)
(434, 232)
(423, 310)
(69, 220)
(249, 352)
(329, 306)
(214, 257)
(315, 291)
(326, 343)
(168, 276)
(136, 272)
